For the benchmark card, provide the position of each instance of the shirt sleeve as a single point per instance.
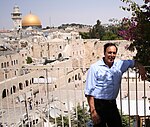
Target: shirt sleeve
(127, 64)
(90, 82)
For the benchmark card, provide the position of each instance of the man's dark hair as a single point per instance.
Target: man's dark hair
(109, 44)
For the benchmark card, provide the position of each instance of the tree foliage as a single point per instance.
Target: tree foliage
(77, 120)
(82, 116)
(84, 35)
(137, 30)
(103, 32)
(125, 121)
(29, 60)
(97, 31)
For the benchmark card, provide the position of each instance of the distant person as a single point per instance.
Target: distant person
(102, 86)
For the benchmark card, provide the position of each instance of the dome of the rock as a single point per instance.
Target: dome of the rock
(31, 20)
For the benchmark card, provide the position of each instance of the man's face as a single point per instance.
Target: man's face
(110, 55)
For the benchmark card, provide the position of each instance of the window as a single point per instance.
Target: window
(7, 64)
(69, 80)
(20, 86)
(75, 77)
(12, 63)
(2, 65)
(16, 61)
(93, 54)
(6, 76)
(15, 72)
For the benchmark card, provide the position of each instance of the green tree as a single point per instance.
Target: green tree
(81, 118)
(29, 60)
(110, 36)
(65, 121)
(125, 121)
(97, 31)
(77, 120)
(108, 32)
(137, 29)
(84, 35)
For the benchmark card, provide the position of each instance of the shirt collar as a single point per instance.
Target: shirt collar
(101, 62)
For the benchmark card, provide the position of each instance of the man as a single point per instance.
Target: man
(102, 86)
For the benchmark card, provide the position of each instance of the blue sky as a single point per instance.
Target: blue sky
(57, 12)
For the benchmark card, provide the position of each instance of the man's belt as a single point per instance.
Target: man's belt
(105, 101)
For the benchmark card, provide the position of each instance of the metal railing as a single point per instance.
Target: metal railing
(134, 99)
(54, 96)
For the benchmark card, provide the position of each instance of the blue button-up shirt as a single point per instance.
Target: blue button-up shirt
(103, 82)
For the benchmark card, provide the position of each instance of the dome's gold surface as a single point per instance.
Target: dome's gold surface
(31, 20)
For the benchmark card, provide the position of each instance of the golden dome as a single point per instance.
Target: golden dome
(31, 20)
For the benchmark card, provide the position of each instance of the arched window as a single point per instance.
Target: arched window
(13, 90)
(93, 54)
(76, 77)
(32, 80)
(2, 65)
(5, 64)
(20, 86)
(59, 55)
(5, 93)
(16, 61)
(12, 63)
(79, 76)
(55, 86)
(26, 83)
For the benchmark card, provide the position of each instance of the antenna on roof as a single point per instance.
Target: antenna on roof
(50, 21)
